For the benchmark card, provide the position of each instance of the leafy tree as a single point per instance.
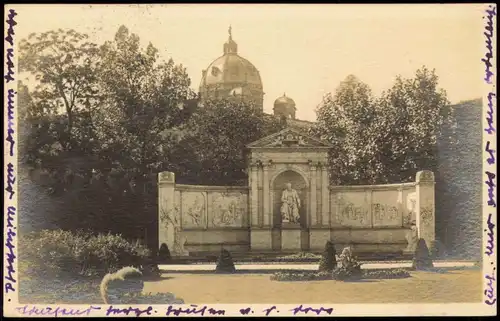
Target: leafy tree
(389, 139)
(214, 146)
(63, 65)
(413, 116)
(146, 101)
(345, 120)
(102, 124)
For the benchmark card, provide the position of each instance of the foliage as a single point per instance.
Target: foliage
(414, 116)
(328, 261)
(301, 276)
(422, 259)
(164, 253)
(225, 263)
(386, 274)
(114, 286)
(212, 151)
(101, 122)
(125, 287)
(301, 255)
(348, 268)
(340, 275)
(149, 298)
(386, 139)
(62, 252)
(343, 120)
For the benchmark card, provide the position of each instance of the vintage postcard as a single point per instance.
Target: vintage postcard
(250, 160)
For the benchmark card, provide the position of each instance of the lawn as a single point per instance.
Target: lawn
(422, 287)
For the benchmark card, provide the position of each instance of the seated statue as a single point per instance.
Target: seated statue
(290, 205)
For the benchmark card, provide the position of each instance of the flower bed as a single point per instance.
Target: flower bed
(338, 275)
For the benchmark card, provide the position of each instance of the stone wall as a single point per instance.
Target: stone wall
(375, 218)
(369, 217)
(203, 217)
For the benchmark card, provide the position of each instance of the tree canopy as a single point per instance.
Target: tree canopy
(385, 139)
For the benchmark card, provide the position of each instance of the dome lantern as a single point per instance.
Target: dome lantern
(230, 47)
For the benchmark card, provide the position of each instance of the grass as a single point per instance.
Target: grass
(440, 286)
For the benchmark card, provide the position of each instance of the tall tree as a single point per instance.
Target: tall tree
(147, 101)
(60, 144)
(216, 139)
(345, 120)
(413, 116)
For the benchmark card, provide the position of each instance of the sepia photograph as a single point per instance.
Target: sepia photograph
(249, 160)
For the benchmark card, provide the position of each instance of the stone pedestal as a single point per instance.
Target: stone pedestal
(168, 220)
(291, 239)
(261, 240)
(425, 207)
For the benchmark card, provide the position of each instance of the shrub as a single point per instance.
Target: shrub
(225, 263)
(301, 276)
(149, 298)
(349, 267)
(164, 253)
(328, 262)
(300, 255)
(150, 268)
(116, 286)
(385, 274)
(57, 251)
(125, 287)
(422, 259)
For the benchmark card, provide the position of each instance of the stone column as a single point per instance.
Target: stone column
(425, 206)
(265, 196)
(325, 197)
(254, 195)
(313, 211)
(167, 218)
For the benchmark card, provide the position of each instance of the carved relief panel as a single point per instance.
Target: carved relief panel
(353, 209)
(387, 208)
(193, 209)
(410, 207)
(228, 209)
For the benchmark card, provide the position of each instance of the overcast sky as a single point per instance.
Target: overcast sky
(303, 50)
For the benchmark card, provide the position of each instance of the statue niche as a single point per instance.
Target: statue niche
(290, 199)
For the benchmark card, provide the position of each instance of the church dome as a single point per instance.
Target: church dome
(284, 107)
(231, 75)
(285, 101)
(231, 68)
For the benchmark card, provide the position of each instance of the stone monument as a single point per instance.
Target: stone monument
(290, 205)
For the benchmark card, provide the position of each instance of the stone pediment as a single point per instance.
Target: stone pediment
(289, 137)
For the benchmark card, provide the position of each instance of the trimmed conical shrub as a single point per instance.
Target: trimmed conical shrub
(225, 263)
(328, 261)
(422, 259)
(164, 253)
